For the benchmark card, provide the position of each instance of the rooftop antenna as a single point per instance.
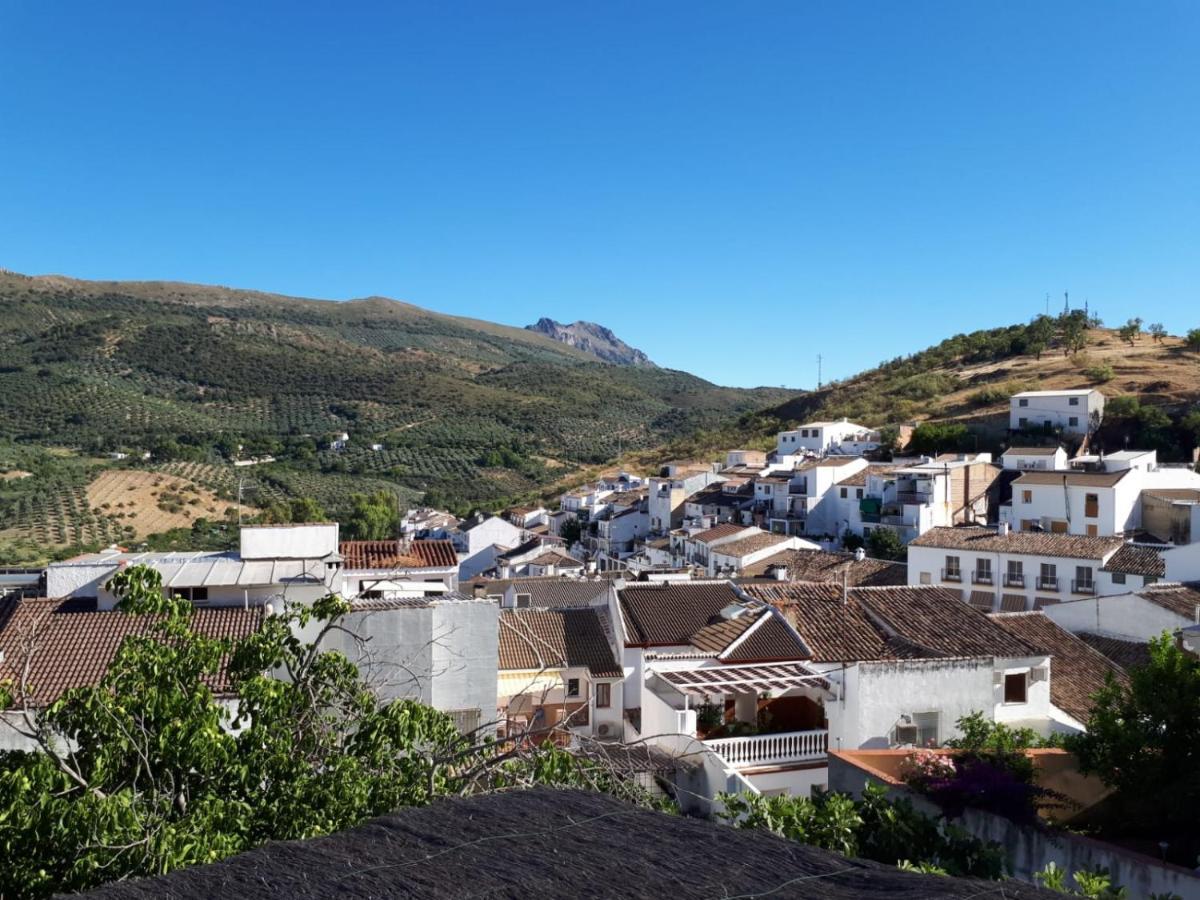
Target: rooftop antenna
(818, 371)
(1066, 302)
(1047, 303)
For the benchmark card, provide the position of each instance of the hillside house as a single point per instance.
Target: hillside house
(669, 493)
(618, 531)
(950, 489)
(731, 558)
(843, 438)
(723, 501)
(480, 540)
(804, 501)
(1034, 458)
(1073, 412)
(274, 564)
(997, 569)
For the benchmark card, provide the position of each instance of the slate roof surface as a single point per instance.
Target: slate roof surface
(1136, 560)
(1077, 670)
(987, 540)
(887, 622)
(820, 565)
(73, 645)
(550, 843)
(555, 638)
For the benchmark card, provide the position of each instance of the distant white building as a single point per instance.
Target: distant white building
(1035, 458)
(1073, 412)
(843, 438)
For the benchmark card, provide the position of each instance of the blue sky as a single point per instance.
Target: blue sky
(733, 187)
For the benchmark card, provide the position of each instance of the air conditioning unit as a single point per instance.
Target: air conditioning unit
(906, 734)
(605, 729)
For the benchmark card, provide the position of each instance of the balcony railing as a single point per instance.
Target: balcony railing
(912, 498)
(1014, 580)
(1083, 587)
(951, 574)
(771, 749)
(1047, 584)
(978, 577)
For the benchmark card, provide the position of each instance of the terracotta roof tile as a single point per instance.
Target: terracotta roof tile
(717, 532)
(556, 638)
(752, 544)
(1133, 559)
(820, 565)
(986, 540)
(75, 645)
(548, 592)
(1181, 599)
(673, 613)
(1077, 671)
(1126, 654)
(1075, 479)
(424, 554)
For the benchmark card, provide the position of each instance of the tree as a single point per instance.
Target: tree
(883, 543)
(1072, 331)
(1131, 331)
(1192, 340)
(1038, 335)
(306, 509)
(1157, 331)
(570, 531)
(146, 771)
(1144, 740)
(374, 517)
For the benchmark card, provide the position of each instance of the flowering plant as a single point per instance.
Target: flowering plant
(926, 766)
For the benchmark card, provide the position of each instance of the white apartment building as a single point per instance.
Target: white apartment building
(1074, 412)
(1000, 570)
(669, 493)
(950, 489)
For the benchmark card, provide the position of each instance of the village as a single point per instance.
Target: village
(773, 623)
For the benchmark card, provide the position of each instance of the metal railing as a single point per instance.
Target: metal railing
(978, 577)
(951, 574)
(1012, 579)
(771, 749)
(1083, 587)
(1047, 584)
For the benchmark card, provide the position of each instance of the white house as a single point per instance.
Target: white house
(669, 493)
(731, 558)
(1075, 412)
(377, 570)
(996, 569)
(274, 564)
(1023, 458)
(480, 540)
(1135, 616)
(826, 438)
(950, 489)
(804, 500)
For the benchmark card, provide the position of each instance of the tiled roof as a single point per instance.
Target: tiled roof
(1030, 451)
(835, 461)
(556, 558)
(1125, 654)
(672, 613)
(752, 544)
(718, 532)
(859, 478)
(1077, 671)
(1075, 479)
(556, 638)
(819, 565)
(1181, 599)
(715, 637)
(774, 639)
(548, 592)
(1136, 560)
(1187, 495)
(75, 645)
(398, 555)
(1032, 543)
(887, 622)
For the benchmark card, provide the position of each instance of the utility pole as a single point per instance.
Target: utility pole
(1066, 302)
(818, 371)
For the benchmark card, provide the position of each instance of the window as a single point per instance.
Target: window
(523, 601)
(1091, 505)
(1149, 579)
(1083, 580)
(1073, 422)
(927, 729)
(1016, 687)
(1014, 575)
(845, 493)
(572, 687)
(1023, 402)
(858, 494)
(194, 594)
(1026, 496)
(603, 695)
(952, 572)
(1093, 531)
(1118, 577)
(465, 720)
(1048, 579)
(1022, 422)
(1072, 401)
(983, 571)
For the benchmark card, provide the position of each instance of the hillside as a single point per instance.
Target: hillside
(594, 339)
(469, 411)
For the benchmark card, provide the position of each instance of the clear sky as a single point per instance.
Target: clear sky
(732, 187)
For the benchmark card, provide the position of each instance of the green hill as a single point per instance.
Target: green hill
(469, 411)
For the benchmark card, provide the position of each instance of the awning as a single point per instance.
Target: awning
(510, 684)
(742, 679)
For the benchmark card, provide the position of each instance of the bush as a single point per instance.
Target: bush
(1192, 340)
(1101, 373)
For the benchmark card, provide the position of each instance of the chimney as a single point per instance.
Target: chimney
(781, 573)
(1002, 529)
(479, 590)
(859, 554)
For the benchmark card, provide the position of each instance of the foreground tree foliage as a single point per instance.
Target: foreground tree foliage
(148, 771)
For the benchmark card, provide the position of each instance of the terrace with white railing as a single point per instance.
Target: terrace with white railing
(784, 748)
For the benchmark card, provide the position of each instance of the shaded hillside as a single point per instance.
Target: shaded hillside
(469, 410)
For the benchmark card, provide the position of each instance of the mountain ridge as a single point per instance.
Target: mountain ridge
(592, 338)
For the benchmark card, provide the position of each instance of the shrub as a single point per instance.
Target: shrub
(1101, 373)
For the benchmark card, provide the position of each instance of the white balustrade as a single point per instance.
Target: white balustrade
(771, 749)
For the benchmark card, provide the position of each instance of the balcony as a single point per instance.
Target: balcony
(978, 577)
(912, 498)
(1014, 580)
(951, 574)
(1047, 584)
(1083, 587)
(771, 749)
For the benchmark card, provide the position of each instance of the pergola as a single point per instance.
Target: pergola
(708, 680)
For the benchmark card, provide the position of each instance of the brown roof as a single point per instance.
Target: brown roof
(1126, 654)
(547, 592)
(74, 644)
(556, 558)
(1136, 560)
(1075, 479)
(819, 565)
(1032, 543)
(1181, 599)
(829, 461)
(554, 639)
(424, 554)
(675, 613)
(1030, 451)
(1077, 671)
(1190, 495)
(751, 544)
(717, 532)
(859, 478)
(886, 622)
